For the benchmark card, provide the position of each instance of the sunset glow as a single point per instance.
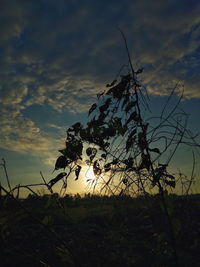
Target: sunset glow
(90, 177)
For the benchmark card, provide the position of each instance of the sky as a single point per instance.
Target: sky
(55, 56)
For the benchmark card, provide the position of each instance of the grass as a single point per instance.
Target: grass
(98, 231)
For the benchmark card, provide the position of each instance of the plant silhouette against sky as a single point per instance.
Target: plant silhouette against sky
(129, 153)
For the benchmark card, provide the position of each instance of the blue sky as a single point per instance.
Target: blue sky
(55, 56)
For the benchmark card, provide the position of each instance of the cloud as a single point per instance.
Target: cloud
(60, 42)
(13, 93)
(75, 96)
(13, 17)
(161, 83)
(61, 55)
(22, 135)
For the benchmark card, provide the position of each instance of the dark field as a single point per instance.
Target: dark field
(98, 231)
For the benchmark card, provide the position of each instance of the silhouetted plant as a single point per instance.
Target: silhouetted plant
(129, 152)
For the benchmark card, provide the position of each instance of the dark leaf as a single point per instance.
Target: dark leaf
(120, 89)
(126, 78)
(130, 105)
(63, 151)
(115, 161)
(56, 179)
(159, 173)
(111, 131)
(89, 151)
(104, 156)
(106, 105)
(93, 107)
(70, 137)
(170, 176)
(170, 183)
(70, 130)
(117, 124)
(125, 181)
(107, 167)
(101, 117)
(146, 163)
(103, 108)
(73, 150)
(61, 162)
(96, 168)
(161, 169)
(77, 171)
(77, 127)
(84, 134)
(142, 143)
(110, 91)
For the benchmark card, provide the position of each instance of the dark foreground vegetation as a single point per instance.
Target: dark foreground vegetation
(98, 231)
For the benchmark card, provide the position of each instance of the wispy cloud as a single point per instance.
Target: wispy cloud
(60, 54)
(72, 94)
(22, 135)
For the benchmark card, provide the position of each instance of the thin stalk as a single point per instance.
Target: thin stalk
(6, 173)
(149, 156)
